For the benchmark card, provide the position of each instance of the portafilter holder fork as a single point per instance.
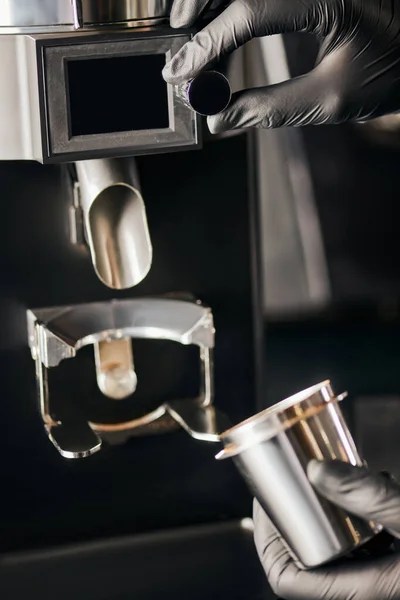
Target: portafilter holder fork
(57, 333)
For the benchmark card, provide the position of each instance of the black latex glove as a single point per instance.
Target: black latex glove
(357, 75)
(373, 497)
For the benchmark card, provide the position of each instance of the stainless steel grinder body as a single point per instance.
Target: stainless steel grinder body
(272, 450)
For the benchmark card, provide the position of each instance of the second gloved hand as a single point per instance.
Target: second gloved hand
(361, 493)
(357, 75)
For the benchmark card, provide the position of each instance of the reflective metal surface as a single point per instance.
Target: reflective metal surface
(204, 423)
(77, 10)
(115, 221)
(42, 13)
(129, 10)
(30, 13)
(64, 330)
(35, 102)
(19, 103)
(115, 369)
(272, 451)
(56, 334)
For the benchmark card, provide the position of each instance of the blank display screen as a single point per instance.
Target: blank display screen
(123, 93)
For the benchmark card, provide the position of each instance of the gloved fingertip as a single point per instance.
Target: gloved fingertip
(178, 19)
(315, 470)
(179, 23)
(332, 475)
(217, 124)
(180, 68)
(166, 72)
(175, 17)
(171, 73)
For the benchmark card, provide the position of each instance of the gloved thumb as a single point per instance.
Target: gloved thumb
(298, 101)
(357, 490)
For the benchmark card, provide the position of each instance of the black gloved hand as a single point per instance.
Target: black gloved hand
(357, 75)
(371, 497)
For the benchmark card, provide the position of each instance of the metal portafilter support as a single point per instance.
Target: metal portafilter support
(58, 333)
(272, 450)
(207, 94)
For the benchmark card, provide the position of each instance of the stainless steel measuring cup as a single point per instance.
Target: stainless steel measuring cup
(272, 450)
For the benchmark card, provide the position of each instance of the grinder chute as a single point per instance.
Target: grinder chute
(115, 222)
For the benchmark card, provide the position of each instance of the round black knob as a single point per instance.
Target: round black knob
(208, 94)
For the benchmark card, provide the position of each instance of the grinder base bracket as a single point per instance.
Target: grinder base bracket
(56, 334)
